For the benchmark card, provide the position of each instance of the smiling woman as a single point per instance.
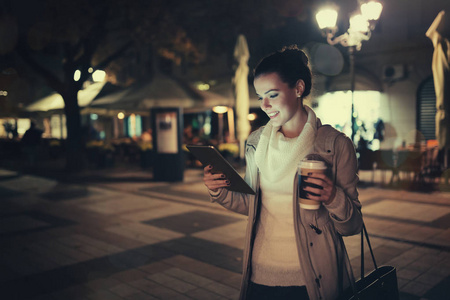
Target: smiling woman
(278, 257)
(280, 103)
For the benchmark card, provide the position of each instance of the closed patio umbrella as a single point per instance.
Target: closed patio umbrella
(441, 77)
(242, 54)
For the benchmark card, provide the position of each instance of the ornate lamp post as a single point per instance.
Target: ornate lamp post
(362, 24)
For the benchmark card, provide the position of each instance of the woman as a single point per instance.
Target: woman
(291, 252)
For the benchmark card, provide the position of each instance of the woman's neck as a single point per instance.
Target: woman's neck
(296, 124)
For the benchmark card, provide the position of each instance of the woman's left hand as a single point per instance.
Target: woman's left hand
(328, 191)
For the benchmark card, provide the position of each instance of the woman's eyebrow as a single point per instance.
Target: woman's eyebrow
(271, 90)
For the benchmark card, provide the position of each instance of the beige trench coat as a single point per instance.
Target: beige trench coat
(321, 255)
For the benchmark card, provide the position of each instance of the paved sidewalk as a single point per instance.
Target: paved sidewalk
(123, 236)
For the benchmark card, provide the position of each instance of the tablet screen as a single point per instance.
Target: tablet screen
(208, 155)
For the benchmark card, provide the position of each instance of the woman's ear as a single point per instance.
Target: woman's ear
(300, 87)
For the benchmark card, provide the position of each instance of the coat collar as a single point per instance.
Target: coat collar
(326, 140)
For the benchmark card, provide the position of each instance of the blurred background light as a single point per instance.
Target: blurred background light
(203, 86)
(371, 10)
(251, 117)
(358, 23)
(327, 18)
(77, 75)
(220, 109)
(98, 76)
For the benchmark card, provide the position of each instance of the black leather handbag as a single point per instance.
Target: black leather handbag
(379, 284)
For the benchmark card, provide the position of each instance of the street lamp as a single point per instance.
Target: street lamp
(361, 26)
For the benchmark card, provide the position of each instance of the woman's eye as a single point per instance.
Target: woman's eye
(260, 98)
(273, 96)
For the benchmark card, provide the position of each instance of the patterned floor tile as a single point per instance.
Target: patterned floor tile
(192, 222)
(442, 222)
(63, 192)
(230, 234)
(29, 184)
(29, 221)
(169, 209)
(20, 223)
(406, 210)
(214, 254)
(144, 233)
(195, 191)
(119, 205)
(439, 290)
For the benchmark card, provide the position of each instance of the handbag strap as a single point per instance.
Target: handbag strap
(364, 233)
(349, 266)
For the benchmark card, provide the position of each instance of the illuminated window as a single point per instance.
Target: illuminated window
(58, 126)
(134, 125)
(138, 125)
(335, 109)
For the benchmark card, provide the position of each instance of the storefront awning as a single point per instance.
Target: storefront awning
(56, 102)
(160, 91)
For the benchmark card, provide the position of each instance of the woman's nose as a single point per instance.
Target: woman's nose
(265, 103)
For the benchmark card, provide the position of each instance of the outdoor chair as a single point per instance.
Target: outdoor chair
(431, 169)
(366, 162)
(384, 161)
(409, 163)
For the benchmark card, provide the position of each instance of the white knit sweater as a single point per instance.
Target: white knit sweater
(275, 259)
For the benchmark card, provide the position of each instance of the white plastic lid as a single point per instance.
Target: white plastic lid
(312, 164)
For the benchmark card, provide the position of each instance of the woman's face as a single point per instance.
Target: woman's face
(277, 99)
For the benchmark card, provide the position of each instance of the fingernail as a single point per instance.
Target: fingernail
(223, 176)
(228, 182)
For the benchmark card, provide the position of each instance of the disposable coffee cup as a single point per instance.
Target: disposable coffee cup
(308, 168)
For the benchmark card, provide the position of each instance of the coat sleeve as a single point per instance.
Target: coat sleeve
(345, 209)
(235, 201)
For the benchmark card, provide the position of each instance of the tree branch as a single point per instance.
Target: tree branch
(51, 79)
(113, 56)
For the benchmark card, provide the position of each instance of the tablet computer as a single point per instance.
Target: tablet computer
(208, 155)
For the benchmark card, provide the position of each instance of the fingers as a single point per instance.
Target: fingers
(214, 186)
(323, 188)
(214, 181)
(207, 172)
(207, 169)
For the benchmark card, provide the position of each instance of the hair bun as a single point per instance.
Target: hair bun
(305, 58)
(295, 51)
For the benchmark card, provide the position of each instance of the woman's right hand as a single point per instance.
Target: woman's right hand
(214, 181)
